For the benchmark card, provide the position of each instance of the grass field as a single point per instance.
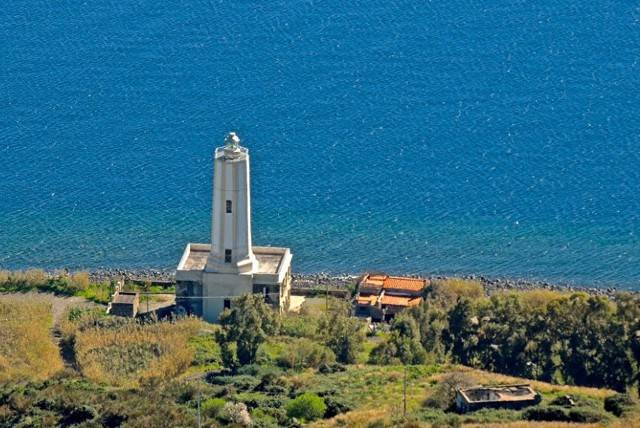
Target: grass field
(27, 350)
(153, 374)
(123, 352)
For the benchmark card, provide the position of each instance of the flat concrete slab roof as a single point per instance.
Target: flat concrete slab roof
(123, 297)
(500, 393)
(197, 258)
(268, 258)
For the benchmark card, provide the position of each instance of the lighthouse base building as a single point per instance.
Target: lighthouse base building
(210, 276)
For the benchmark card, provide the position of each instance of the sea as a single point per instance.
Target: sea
(498, 138)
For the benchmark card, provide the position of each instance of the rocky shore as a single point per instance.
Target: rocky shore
(346, 280)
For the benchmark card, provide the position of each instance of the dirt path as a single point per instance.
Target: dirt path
(59, 306)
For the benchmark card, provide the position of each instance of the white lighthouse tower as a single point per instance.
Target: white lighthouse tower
(209, 276)
(231, 250)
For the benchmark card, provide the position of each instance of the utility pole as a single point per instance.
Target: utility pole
(199, 424)
(326, 299)
(404, 394)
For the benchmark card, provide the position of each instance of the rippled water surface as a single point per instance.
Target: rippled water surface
(454, 136)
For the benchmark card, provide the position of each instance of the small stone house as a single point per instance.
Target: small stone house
(503, 396)
(124, 304)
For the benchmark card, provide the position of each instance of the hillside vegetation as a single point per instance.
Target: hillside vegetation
(26, 348)
(125, 352)
(564, 338)
(317, 368)
(69, 284)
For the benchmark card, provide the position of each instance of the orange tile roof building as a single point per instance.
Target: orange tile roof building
(382, 296)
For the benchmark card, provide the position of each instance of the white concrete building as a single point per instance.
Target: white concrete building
(210, 275)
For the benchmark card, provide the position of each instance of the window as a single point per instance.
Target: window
(227, 303)
(227, 256)
(229, 205)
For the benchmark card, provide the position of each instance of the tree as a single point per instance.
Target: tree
(343, 334)
(403, 345)
(247, 325)
(307, 407)
(461, 335)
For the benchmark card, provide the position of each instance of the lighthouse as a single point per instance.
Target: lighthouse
(231, 250)
(209, 276)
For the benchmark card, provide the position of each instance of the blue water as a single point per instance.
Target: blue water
(461, 136)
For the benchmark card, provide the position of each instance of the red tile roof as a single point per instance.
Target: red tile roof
(400, 301)
(402, 283)
(367, 299)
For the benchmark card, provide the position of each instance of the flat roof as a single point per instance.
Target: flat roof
(505, 393)
(197, 258)
(123, 297)
(268, 259)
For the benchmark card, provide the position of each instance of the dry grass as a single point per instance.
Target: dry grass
(378, 394)
(135, 354)
(537, 297)
(29, 278)
(27, 350)
(534, 424)
(356, 419)
(450, 289)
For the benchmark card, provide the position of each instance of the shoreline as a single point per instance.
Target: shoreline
(342, 281)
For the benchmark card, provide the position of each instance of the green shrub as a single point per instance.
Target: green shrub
(299, 326)
(586, 415)
(560, 414)
(304, 353)
(235, 414)
(331, 368)
(255, 400)
(444, 394)
(263, 419)
(78, 415)
(337, 405)
(212, 406)
(307, 407)
(546, 413)
(241, 383)
(274, 384)
(618, 404)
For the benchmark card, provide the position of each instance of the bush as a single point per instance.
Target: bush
(263, 419)
(79, 281)
(212, 407)
(78, 415)
(546, 413)
(331, 368)
(586, 415)
(336, 405)
(618, 404)
(449, 290)
(307, 407)
(255, 400)
(236, 413)
(560, 414)
(241, 383)
(444, 394)
(272, 383)
(303, 353)
(299, 326)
